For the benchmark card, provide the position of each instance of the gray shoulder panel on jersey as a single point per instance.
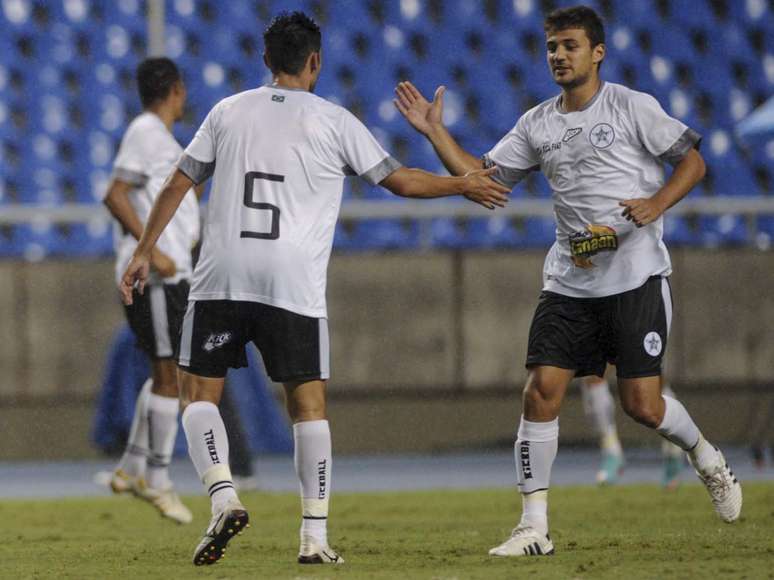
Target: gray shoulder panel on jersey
(381, 170)
(197, 171)
(129, 176)
(507, 176)
(688, 140)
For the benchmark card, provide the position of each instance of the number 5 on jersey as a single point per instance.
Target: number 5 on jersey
(267, 216)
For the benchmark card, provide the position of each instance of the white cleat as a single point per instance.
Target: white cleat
(122, 482)
(313, 553)
(165, 500)
(223, 527)
(723, 487)
(525, 541)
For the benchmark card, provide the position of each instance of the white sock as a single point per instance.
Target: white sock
(208, 448)
(669, 449)
(600, 408)
(535, 451)
(704, 455)
(312, 458)
(162, 430)
(677, 425)
(535, 511)
(135, 456)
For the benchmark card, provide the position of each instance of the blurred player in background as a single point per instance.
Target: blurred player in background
(606, 294)
(278, 156)
(599, 406)
(147, 154)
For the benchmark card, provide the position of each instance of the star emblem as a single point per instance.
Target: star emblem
(602, 136)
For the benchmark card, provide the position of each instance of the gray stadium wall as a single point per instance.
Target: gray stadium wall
(427, 349)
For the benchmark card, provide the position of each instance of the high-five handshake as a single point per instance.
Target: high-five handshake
(427, 118)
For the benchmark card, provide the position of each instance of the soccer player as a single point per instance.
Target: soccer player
(606, 294)
(599, 406)
(147, 154)
(278, 156)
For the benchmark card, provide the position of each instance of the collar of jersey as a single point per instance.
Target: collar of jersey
(585, 107)
(277, 87)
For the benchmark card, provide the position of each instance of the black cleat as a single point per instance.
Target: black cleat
(223, 526)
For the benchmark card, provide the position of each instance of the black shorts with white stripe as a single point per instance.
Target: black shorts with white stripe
(156, 316)
(294, 347)
(628, 330)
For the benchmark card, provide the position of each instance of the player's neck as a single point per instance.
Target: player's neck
(166, 115)
(296, 82)
(576, 98)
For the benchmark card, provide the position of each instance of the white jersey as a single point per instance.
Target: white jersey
(278, 158)
(146, 157)
(610, 151)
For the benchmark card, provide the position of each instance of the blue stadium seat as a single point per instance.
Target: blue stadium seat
(80, 70)
(727, 229)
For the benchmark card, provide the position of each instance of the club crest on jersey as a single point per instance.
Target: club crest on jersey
(216, 340)
(570, 133)
(591, 241)
(602, 136)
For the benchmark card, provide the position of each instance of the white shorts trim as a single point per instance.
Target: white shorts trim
(158, 309)
(666, 293)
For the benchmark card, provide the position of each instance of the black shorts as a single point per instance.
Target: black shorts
(294, 347)
(628, 330)
(155, 317)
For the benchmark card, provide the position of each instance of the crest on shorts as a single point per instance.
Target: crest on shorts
(653, 344)
(591, 241)
(216, 340)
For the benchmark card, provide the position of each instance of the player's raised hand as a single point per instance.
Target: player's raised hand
(163, 264)
(641, 211)
(421, 114)
(136, 273)
(484, 190)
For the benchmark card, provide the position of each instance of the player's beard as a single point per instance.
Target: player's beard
(574, 82)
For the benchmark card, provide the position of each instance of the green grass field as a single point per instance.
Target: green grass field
(620, 532)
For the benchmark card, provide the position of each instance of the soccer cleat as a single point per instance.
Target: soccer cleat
(166, 501)
(723, 487)
(122, 482)
(311, 552)
(611, 469)
(223, 526)
(673, 466)
(525, 541)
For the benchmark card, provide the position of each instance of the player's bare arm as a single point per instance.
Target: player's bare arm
(477, 186)
(173, 192)
(427, 119)
(688, 172)
(199, 190)
(119, 206)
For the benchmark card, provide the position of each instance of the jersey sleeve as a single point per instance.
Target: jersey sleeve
(130, 165)
(513, 156)
(361, 153)
(661, 135)
(198, 159)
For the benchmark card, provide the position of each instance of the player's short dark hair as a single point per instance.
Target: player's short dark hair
(289, 40)
(577, 17)
(155, 79)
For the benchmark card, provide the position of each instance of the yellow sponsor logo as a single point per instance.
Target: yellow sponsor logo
(591, 241)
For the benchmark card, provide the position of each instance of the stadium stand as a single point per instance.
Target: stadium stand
(67, 92)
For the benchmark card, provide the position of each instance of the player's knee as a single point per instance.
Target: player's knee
(644, 414)
(538, 400)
